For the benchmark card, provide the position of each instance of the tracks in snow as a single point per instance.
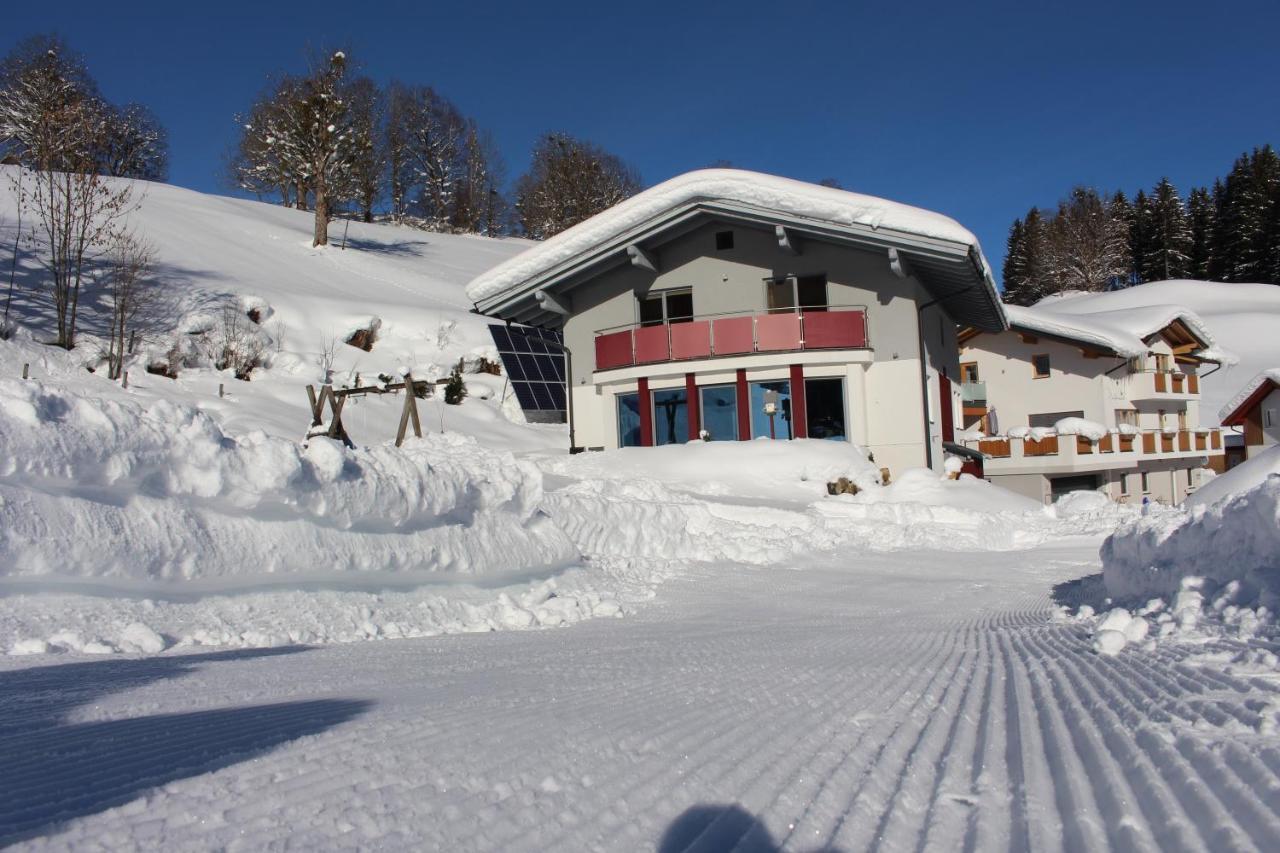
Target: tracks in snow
(879, 708)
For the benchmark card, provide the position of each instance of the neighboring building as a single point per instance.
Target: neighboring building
(1070, 399)
(729, 305)
(1256, 411)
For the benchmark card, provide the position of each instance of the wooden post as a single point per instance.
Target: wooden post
(410, 411)
(26, 370)
(221, 391)
(126, 379)
(315, 405)
(133, 337)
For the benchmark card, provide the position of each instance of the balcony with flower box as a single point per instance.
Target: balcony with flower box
(736, 334)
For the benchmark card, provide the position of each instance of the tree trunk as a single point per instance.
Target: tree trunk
(301, 201)
(321, 237)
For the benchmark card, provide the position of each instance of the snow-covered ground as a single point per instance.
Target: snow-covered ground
(187, 596)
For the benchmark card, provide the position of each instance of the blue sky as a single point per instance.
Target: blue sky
(977, 110)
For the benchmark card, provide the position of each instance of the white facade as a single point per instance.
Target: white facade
(1148, 405)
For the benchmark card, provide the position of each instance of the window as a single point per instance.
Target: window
(1164, 363)
(1146, 483)
(1124, 484)
(771, 409)
(1127, 416)
(666, 306)
(824, 408)
(1182, 419)
(969, 372)
(724, 240)
(1040, 365)
(719, 412)
(1048, 419)
(1268, 418)
(670, 416)
(808, 292)
(628, 420)
(1160, 419)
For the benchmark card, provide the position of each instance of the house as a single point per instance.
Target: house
(1077, 396)
(728, 305)
(1256, 410)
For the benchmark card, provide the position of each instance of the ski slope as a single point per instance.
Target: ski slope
(925, 700)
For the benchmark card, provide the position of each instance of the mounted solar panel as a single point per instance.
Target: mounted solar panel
(534, 361)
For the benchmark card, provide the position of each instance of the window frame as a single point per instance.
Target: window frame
(663, 296)
(1035, 368)
(793, 282)
(732, 388)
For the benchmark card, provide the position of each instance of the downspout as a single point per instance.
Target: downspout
(924, 370)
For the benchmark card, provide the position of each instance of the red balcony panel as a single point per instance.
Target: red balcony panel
(691, 340)
(613, 350)
(777, 332)
(835, 330)
(734, 335)
(652, 344)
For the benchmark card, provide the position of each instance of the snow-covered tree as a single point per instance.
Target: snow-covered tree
(50, 112)
(478, 204)
(134, 144)
(570, 180)
(1245, 246)
(435, 134)
(1026, 279)
(1087, 246)
(367, 166)
(1200, 216)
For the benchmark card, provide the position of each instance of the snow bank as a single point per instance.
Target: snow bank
(1245, 476)
(1079, 426)
(763, 468)
(1235, 541)
(767, 192)
(110, 488)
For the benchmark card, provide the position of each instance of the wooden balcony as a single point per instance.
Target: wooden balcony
(732, 335)
(1065, 453)
(1163, 385)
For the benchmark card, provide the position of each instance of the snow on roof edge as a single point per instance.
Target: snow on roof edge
(787, 195)
(1108, 329)
(1271, 373)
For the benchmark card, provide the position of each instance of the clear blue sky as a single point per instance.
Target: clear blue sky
(977, 110)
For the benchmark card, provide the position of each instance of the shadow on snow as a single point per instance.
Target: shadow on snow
(711, 828)
(56, 770)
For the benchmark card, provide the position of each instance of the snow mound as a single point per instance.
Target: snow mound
(1079, 426)
(112, 488)
(1235, 541)
(1245, 476)
(753, 189)
(764, 468)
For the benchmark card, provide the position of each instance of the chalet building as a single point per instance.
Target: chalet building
(726, 305)
(1255, 411)
(1075, 396)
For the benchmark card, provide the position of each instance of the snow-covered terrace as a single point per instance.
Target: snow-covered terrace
(1048, 450)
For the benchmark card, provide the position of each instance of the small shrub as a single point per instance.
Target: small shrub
(455, 389)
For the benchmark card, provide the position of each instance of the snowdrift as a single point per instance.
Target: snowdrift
(93, 487)
(1233, 543)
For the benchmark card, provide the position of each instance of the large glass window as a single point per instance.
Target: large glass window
(824, 408)
(771, 409)
(670, 416)
(628, 420)
(809, 292)
(720, 412)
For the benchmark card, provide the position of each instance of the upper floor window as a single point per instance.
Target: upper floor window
(969, 372)
(1040, 365)
(1164, 363)
(724, 240)
(806, 292)
(666, 306)
(1127, 417)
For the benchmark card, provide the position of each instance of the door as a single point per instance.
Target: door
(944, 404)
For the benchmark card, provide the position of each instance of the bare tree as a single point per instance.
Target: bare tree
(569, 181)
(75, 210)
(132, 296)
(395, 151)
(43, 85)
(134, 144)
(1087, 244)
(436, 133)
(478, 204)
(255, 166)
(367, 107)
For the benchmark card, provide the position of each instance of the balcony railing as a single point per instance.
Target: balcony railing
(973, 392)
(722, 335)
(1153, 444)
(1147, 385)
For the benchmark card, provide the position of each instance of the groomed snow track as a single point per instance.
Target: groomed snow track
(884, 705)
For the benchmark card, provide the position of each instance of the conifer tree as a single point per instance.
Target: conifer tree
(1140, 236)
(1122, 216)
(1169, 252)
(1200, 216)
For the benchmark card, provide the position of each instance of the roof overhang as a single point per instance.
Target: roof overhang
(1237, 415)
(953, 272)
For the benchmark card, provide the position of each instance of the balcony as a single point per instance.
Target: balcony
(973, 393)
(1163, 385)
(1075, 452)
(725, 335)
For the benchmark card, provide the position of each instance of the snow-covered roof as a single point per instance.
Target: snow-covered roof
(1230, 411)
(734, 189)
(1122, 331)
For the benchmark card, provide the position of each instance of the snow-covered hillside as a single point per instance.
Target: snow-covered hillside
(1242, 318)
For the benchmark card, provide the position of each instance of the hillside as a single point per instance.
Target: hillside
(1243, 318)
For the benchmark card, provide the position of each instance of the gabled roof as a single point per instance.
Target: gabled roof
(1257, 388)
(1127, 333)
(941, 253)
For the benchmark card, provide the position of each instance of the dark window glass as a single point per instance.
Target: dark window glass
(629, 420)
(824, 408)
(670, 416)
(775, 396)
(724, 240)
(812, 292)
(720, 412)
(1041, 365)
(680, 307)
(651, 311)
(781, 295)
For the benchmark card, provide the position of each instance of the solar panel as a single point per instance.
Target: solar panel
(535, 364)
